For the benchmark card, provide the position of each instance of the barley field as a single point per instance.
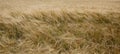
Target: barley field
(59, 26)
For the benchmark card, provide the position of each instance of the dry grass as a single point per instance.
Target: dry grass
(60, 31)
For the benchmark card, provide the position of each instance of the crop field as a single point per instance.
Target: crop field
(59, 26)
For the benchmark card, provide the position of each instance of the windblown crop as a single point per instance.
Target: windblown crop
(59, 31)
